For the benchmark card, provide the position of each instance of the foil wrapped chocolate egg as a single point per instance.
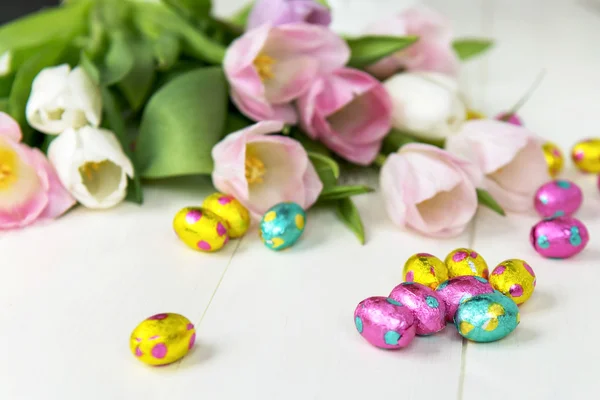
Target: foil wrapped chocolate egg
(487, 317)
(586, 155)
(384, 322)
(425, 269)
(560, 237)
(515, 279)
(510, 117)
(428, 309)
(232, 211)
(461, 262)
(554, 158)
(459, 289)
(162, 339)
(282, 225)
(201, 229)
(558, 198)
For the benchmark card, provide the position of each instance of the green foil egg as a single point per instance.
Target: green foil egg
(282, 225)
(487, 317)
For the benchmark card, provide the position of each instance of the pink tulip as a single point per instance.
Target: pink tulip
(269, 67)
(433, 52)
(429, 190)
(512, 119)
(510, 157)
(350, 112)
(262, 170)
(280, 12)
(29, 187)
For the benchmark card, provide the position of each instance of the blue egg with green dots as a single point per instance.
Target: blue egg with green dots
(487, 317)
(282, 225)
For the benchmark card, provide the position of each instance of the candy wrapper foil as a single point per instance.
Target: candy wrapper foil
(461, 262)
(457, 290)
(425, 269)
(586, 155)
(554, 158)
(560, 237)
(282, 225)
(487, 317)
(162, 339)
(558, 198)
(427, 307)
(384, 322)
(201, 229)
(515, 279)
(232, 211)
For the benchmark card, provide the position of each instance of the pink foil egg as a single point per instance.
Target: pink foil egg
(558, 198)
(560, 237)
(429, 310)
(384, 322)
(457, 290)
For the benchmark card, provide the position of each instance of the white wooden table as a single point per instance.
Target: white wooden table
(279, 326)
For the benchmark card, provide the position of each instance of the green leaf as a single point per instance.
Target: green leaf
(396, 139)
(240, 18)
(193, 9)
(48, 55)
(166, 51)
(486, 199)
(468, 48)
(369, 49)
(116, 122)
(44, 26)
(342, 192)
(4, 104)
(181, 124)
(323, 3)
(137, 84)
(6, 83)
(198, 45)
(327, 169)
(348, 214)
(119, 60)
(310, 145)
(89, 67)
(236, 121)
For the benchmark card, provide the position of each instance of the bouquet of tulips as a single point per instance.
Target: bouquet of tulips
(99, 96)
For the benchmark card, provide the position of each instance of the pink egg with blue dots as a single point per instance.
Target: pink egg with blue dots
(560, 237)
(427, 307)
(457, 290)
(558, 198)
(384, 322)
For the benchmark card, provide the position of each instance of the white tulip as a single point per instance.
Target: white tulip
(91, 164)
(5, 63)
(61, 99)
(426, 104)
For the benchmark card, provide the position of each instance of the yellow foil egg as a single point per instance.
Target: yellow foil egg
(586, 155)
(231, 210)
(554, 158)
(162, 339)
(201, 229)
(515, 279)
(462, 262)
(425, 269)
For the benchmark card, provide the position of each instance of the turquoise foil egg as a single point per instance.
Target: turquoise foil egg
(487, 317)
(282, 225)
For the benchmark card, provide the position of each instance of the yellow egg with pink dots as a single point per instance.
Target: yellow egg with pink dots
(463, 262)
(162, 339)
(201, 229)
(232, 211)
(425, 269)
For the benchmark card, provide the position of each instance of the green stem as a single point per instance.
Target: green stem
(380, 160)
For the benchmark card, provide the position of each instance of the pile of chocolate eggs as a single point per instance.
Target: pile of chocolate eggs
(221, 217)
(559, 235)
(456, 290)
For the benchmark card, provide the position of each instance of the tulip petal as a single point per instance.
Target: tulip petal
(46, 89)
(85, 95)
(9, 128)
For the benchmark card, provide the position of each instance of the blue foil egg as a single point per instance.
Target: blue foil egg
(487, 317)
(282, 225)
